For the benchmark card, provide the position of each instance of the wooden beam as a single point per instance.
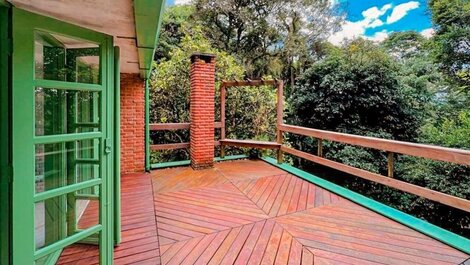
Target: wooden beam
(452, 155)
(390, 182)
(390, 164)
(169, 126)
(250, 144)
(160, 147)
(320, 147)
(176, 126)
(249, 83)
(280, 119)
(222, 118)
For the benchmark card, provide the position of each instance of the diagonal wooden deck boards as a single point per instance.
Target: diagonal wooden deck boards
(248, 212)
(139, 230)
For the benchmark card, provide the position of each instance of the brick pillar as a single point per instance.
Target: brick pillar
(132, 123)
(202, 110)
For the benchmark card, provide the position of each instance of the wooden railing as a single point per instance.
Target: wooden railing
(457, 156)
(175, 127)
(451, 155)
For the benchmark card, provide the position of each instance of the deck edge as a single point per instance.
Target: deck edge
(438, 233)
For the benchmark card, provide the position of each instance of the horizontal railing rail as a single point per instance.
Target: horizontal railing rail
(175, 127)
(451, 155)
(457, 156)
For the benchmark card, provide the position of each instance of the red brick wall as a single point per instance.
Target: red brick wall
(132, 123)
(202, 111)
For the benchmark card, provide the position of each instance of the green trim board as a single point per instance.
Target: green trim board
(148, 19)
(5, 148)
(147, 127)
(117, 146)
(412, 222)
(188, 162)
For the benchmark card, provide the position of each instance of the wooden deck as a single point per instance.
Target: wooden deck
(248, 212)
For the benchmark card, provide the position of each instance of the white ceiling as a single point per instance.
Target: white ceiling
(112, 17)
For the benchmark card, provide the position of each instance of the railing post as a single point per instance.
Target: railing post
(390, 164)
(280, 118)
(320, 147)
(222, 118)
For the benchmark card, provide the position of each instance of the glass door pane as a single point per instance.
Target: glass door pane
(60, 136)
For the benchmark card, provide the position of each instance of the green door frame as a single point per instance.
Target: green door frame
(5, 148)
(24, 140)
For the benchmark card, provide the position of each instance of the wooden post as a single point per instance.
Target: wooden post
(390, 164)
(320, 147)
(222, 118)
(280, 118)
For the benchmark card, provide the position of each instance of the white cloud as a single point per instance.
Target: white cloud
(374, 12)
(376, 23)
(182, 2)
(400, 11)
(379, 36)
(428, 33)
(351, 30)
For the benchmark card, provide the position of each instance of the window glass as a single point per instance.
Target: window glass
(66, 111)
(64, 58)
(62, 216)
(61, 164)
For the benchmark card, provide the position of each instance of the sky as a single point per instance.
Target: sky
(376, 19)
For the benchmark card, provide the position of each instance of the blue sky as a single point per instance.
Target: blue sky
(376, 19)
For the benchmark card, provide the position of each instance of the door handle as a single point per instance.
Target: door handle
(108, 148)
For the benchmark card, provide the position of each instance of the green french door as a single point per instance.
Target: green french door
(62, 141)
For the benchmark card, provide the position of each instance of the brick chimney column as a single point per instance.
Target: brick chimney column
(202, 110)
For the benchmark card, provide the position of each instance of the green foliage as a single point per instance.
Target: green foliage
(359, 89)
(404, 45)
(171, 33)
(418, 75)
(250, 111)
(449, 132)
(440, 176)
(270, 37)
(452, 40)
(355, 90)
(170, 82)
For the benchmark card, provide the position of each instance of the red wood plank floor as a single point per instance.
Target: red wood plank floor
(248, 212)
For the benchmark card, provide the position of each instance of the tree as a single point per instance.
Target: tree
(404, 45)
(418, 74)
(452, 39)
(266, 34)
(171, 33)
(354, 90)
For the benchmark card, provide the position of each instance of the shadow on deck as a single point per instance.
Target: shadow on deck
(249, 212)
